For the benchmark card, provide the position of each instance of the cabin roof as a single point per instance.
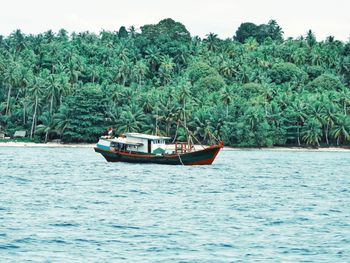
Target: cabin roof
(125, 141)
(145, 136)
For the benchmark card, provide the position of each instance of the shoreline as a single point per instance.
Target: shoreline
(46, 145)
(226, 148)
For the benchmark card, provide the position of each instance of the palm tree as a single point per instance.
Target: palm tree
(329, 117)
(228, 68)
(212, 41)
(341, 128)
(62, 119)
(297, 111)
(47, 125)
(310, 38)
(36, 91)
(63, 86)
(25, 102)
(139, 71)
(123, 54)
(226, 97)
(166, 68)
(52, 91)
(18, 39)
(123, 72)
(312, 132)
(148, 102)
(253, 116)
(202, 124)
(132, 119)
(132, 32)
(316, 111)
(167, 115)
(344, 98)
(153, 56)
(11, 77)
(73, 71)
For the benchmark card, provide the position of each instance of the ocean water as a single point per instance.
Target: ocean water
(69, 205)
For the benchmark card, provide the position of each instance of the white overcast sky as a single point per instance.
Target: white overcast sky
(324, 17)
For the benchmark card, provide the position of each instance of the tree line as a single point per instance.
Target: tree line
(254, 89)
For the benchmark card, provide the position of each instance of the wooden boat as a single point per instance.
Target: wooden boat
(143, 148)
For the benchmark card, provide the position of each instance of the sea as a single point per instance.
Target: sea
(70, 205)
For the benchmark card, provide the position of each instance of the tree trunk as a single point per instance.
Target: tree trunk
(168, 126)
(24, 115)
(34, 118)
(51, 106)
(326, 134)
(8, 100)
(344, 107)
(46, 136)
(298, 131)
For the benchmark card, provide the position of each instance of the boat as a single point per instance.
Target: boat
(144, 148)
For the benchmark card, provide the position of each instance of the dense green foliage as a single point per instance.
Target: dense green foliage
(255, 89)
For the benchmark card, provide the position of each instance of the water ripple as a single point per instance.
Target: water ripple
(69, 205)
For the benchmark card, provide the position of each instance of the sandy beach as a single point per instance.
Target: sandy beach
(226, 148)
(48, 145)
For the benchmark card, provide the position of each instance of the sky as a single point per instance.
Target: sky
(223, 17)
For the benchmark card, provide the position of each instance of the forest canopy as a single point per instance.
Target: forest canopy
(254, 89)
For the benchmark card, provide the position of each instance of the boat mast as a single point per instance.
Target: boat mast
(188, 133)
(157, 128)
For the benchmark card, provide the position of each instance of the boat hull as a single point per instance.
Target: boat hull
(202, 157)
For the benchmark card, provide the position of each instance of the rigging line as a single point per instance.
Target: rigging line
(212, 135)
(192, 135)
(180, 159)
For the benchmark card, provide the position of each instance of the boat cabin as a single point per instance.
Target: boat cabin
(146, 143)
(136, 142)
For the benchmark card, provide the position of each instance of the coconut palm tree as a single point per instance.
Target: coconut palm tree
(52, 92)
(226, 97)
(123, 72)
(10, 78)
(329, 118)
(47, 125)
(202, 124)
(312, 132)
(139, 71)
(212, 41)
(341, 128)
(166, 68)
(132, 119)
(36, 90)
(62, 119)
(153, 57)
